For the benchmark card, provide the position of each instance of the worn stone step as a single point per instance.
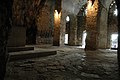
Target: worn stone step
(29, 54)
(22, 48)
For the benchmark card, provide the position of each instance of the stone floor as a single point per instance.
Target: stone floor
(70, 63)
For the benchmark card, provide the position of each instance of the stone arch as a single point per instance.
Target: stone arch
(81, 23)
(67, 27)
(112, 22)
(102, 24)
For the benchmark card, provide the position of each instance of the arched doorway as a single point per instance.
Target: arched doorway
(67, 30)
(112, 26)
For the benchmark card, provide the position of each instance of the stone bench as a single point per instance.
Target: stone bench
(30, 54)
(16, 49)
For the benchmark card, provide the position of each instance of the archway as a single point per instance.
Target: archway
(81, 26)
(114, 41)
(67, 30)
(112, 26)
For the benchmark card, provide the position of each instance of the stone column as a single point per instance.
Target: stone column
(102, 36)
(108, 41)
(59, 24)
(63, 27)
(118, 52)
(56, 37)
(80, 29)
(59, 30)
(91, 26)
(72, 38)
(109, 35)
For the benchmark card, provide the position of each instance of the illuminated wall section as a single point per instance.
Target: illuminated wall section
(91, 25)
(57, 20)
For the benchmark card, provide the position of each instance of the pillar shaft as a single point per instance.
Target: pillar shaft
(80, 29)
(91, 26)
(108, 36)
(59, 29)
(102, 37)
(56, 37)
(118, 52)
(63, 28)
(72, 39)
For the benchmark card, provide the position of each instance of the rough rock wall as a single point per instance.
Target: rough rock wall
(24, 11)
(18, 12)
(45, 23)
(35, 13)
(23, 15)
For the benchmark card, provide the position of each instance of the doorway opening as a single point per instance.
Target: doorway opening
(67, 30)
(84, 39)
(114, 41)
(112, 26)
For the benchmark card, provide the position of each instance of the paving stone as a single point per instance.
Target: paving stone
(40, 69)
(52, 68)
(90, 75)
(79, 67)
(77, 79)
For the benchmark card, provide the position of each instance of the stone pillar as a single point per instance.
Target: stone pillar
(108, 36)
(108, 41)
(102, 36)
(80, 29)
(91, 26)
(72, 38)
(118, 52)
(62, 27)
(59, 24)
(59, 29)
(56, 37)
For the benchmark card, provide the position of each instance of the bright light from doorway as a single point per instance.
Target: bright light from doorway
(114, 40)
(116, 12)
(66, 39)
(84, 38)
(67, 18)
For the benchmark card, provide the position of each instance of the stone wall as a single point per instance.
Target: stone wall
(17, 35)
(28, 14)
(45, 23)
